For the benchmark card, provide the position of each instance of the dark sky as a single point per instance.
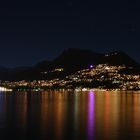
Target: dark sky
(31, 32)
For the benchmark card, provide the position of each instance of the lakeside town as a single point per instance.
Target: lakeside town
(101, 76)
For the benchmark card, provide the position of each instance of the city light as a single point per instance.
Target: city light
(103, 76)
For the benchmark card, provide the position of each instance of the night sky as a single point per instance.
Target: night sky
(31, 32)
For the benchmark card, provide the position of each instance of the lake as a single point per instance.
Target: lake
(70, 115)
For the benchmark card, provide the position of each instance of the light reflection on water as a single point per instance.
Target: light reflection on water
(91, 115)
(69, 115)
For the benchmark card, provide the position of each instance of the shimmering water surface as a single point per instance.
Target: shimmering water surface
(69, 115)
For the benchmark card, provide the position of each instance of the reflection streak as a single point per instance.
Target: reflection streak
(91, 115)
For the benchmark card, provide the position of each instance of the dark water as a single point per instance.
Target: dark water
(65, 115)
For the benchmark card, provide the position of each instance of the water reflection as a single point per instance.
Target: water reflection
(91, 115)
(69, 115)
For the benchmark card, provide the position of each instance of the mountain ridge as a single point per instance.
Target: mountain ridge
(71, 60)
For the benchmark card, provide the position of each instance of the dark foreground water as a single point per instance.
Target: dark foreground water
(65, 115)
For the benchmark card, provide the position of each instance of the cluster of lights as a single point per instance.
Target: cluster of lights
(101, 74)
(53, 71)
(5, 89)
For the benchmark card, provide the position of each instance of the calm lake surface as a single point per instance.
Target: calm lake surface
(69, 115)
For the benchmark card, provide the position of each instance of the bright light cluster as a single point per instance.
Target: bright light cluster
(101, 76)
(5, 89)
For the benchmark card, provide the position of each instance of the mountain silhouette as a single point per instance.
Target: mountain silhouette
(71, 60)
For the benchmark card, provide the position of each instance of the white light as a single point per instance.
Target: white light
(5, 89)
